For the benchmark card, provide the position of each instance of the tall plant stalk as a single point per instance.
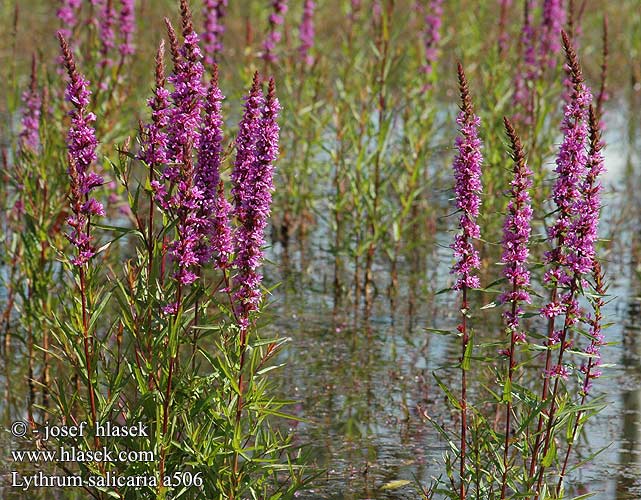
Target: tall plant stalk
(516, 235)
(467, 172)
(571, 167)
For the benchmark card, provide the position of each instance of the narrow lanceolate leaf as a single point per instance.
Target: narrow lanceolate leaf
(507, 391)
(467, 357)
(452, 399)
(550, 456)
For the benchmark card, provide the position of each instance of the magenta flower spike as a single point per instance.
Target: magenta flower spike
(306, 33)
(253, 184)
(183, 130)
(584, 253)
(467, 189)
(214, 12)
(214, 208)
(127, 27)
(567, 258)
(154, 143)
(432, 34)
(67, 13)
(183, 137)
(29, 138)
(529, 70)
(584, 229)
(570, 165)
(551, 25)
(106, 32)
(516, 237)
(248, 131)
(276, 20)
(81, 147)
(184, 204)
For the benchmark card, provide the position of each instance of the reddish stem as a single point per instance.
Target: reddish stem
(464, 341)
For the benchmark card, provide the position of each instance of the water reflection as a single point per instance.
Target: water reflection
(630, 439)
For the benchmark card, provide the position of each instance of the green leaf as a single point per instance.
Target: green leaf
(453, 400)
(550, 455)
(507, 391)
(467, 357)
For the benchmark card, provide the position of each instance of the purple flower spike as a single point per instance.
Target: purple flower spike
(154, 146)
(81, 146)
(467, 188)
(253, 183)
(189, 92)
(106, 32)
(127, 27)
(571, 161)
(553, 21)
(214, 12)
(529, 70)
(184, 206)
(516, 236)
(214, 208)
(248, 132)
(306, 33)
(432, 35)
(583, 231)
(67, 14)
(30, 125)
(276, 19)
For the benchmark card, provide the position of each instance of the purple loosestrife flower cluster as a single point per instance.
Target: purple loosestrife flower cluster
(67, 14)
(214, 12)
(570, 164)
(106, 32)
(127, 27)
(529, 70)
(432, 35)
(154, 146)
(183, 137)
(551, 25)
(81, 146)
(29, 138)
(467, 188)
(276, 19)
(516, 236)
(184, 204)
(575, 228)
(187, 97)
(214, 207)
(248, 130)
(252, 177)
(583, 232)
(306, 33)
